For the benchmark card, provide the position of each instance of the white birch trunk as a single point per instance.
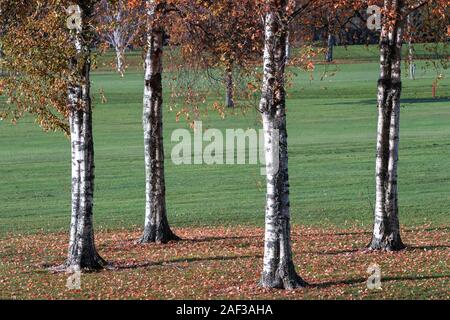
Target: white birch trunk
(120, 60)
(119, 44)
(156, 226)
(386, 232)
(411, 64)
(1, 58)
(288, 48)
(82, 254)
(278, 269)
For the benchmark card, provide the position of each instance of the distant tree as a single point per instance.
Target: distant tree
(227, 35)
(52, 83)
(328, 21)
(337, 17)
(410, 35)
(119, 24)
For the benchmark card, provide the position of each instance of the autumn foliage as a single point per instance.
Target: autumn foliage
(36, 55)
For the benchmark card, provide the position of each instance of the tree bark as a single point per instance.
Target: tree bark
(229, 99)
(1, 58)
(2, 72)
(82, 253)
(330, 46)
(288, 48)
(120, 60)
(118, 37)
(411, 64)
(386, 231)
(330, 37)
(156, 227)
(278, 269)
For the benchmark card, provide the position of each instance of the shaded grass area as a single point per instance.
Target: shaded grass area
(224, 263)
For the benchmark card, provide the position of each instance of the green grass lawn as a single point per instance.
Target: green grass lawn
(332, 129)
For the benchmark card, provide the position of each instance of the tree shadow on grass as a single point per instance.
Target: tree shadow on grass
(440, 228)
(118, 266)
(366, 250)
(347, 233)
(124, 246)
(427, 247)
(423, 100)
(383, 279)
(210, 239)
(373, 102)
(337, 252)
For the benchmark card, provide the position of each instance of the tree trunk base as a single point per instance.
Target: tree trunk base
(158, 236)
(284, 278)
(95, 264)
(290, 283)
(387, 244)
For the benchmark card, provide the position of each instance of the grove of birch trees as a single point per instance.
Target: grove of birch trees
(52, 83)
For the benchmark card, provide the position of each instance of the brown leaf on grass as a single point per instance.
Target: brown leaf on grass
(218, 262)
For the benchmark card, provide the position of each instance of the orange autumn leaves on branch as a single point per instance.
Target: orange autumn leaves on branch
(223, 35)
(221, 43)
(223, 32)
(36, 55)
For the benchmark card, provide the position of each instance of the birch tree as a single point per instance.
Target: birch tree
(386, 229)
(119, 25)
(52, 83)
(386, 232)
(82, 252)
(156, 226)
(278, 270)
(411, 64)
(278, 266)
